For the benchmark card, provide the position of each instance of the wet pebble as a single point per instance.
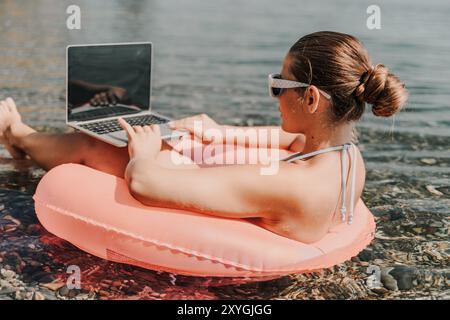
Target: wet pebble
(19, 295)
(396, 215)
(364, 264)
(73, 293)
(48, 294)
(366, 255)
(117, 283)
(432, 189)
(69, 293)
(380, 291)
(63, 291)
(42, 277)
(12, 220)
(4, 284)
(33, 229)
(53, 285)
(46, 279)
(378, 262)
(104, 293)
(38, 296)
(430, 161)
(7, 274)
(399, 277)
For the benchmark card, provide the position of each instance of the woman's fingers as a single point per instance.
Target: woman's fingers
(111, 97)
(128, 129)
(175, 124)
(193, 124)
(156, 129)
(133, 130)
(186, 123)
(101, 98)
(93, 101)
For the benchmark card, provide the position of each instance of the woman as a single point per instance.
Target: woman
(330, 78)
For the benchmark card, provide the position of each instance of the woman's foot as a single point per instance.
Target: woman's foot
(9, 116)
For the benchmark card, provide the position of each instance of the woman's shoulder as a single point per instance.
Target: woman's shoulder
(318, 179)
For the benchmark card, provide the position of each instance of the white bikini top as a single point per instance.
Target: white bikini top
(345, 149)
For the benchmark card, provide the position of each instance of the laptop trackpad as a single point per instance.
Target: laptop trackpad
(166, 133)
(119, 135)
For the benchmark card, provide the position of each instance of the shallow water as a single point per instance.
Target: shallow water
(214, 57)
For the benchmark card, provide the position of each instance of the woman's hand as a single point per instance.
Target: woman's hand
(202, 127)
(112, 96)
(143, 142)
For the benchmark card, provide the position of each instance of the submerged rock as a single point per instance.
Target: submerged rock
(433, 190)
(366, 255)
(429, 161)
(38, 296)
(399, 277)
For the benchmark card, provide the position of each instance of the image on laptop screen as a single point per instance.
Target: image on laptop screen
(108, 80)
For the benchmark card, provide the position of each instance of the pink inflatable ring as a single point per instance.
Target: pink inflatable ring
(95, 212)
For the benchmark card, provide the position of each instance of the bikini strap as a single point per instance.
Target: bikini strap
(344, 154)
(299, 155)
(352, 191)
(345, 149)
(343, 209)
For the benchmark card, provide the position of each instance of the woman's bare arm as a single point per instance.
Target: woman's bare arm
(238, 191)
(284, 140)
(208, 130)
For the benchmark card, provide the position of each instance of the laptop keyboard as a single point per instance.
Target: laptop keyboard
(108, 126)
(101, 112)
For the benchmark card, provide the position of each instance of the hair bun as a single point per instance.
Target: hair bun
(383, 90)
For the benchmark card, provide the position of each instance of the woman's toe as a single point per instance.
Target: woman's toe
(11, 104)
(4, 118)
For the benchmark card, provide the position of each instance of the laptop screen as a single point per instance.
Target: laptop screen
(108, 80)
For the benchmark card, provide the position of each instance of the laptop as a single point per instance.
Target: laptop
(108, 81)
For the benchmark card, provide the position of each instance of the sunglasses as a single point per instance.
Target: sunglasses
(277, 85)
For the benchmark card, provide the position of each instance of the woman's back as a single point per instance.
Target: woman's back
(319, 195)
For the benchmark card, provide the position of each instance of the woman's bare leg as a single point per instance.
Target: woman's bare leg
(50, 150)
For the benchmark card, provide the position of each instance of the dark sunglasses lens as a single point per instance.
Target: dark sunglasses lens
(276, 91)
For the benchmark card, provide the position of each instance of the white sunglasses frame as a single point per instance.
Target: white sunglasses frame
(288, 84)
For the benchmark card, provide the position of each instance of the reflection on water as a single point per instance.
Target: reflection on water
(213, 56)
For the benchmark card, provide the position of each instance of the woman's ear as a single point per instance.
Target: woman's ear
(312, 96)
